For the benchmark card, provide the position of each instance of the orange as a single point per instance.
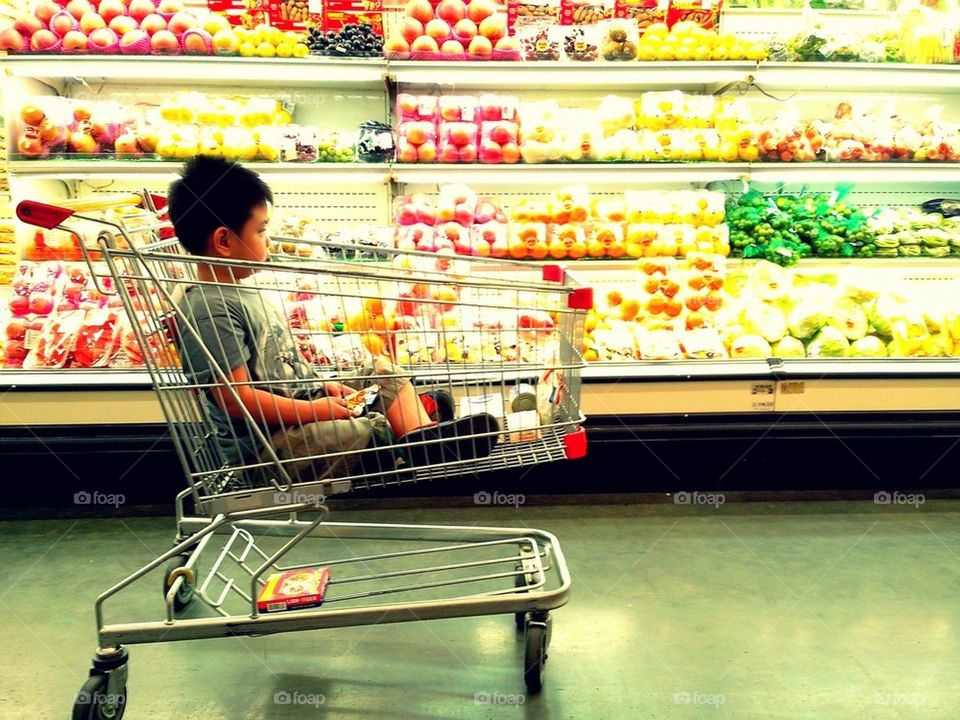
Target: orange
(518, 251)
(374, 306)
(595, 249)
(629, 309)
(591, 356)
(538, 251)
(374, 343)
(614, 298)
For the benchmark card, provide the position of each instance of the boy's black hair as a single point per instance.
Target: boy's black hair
(212, 192)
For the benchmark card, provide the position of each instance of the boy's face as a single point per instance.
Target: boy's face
(252, 243)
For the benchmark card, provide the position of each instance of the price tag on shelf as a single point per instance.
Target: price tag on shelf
(762, 396)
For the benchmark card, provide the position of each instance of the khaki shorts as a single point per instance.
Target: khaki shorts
(354, 445)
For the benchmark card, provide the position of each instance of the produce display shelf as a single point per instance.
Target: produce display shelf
(858, 76)
(337, 173)
(261, 72)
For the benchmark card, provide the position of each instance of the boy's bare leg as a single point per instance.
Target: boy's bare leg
(407, 412)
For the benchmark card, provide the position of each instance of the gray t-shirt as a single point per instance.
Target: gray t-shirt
(239, 326)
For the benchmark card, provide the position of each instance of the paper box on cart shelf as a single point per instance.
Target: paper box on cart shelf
(491, 403)
(294, 590)
(523, 426)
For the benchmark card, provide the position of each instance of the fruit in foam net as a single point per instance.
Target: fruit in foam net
(12, 40)
(43, 39)
(480, 46)
(122, 24)
(425, 43)
(45, 10)
(181, 22)
(102, 38)
(225, 42)
(27, 25)
(451, 11)
(79, 8)
(164, 42)
(91, 21)
(74, 42)
(153, 24)
(132, 37)
(109, 9)
(139, 9)
(493, 27)
(420, 10)
(437, 29)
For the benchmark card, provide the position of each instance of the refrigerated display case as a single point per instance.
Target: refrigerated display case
(630, 397)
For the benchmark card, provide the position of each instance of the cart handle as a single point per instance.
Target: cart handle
(42, 215)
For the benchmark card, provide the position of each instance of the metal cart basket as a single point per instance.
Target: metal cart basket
(473, 335)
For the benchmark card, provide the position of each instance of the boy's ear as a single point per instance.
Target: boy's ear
(220, 242)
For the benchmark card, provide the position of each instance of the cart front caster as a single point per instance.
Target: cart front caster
(104, 694)
(537, 636)
(177, 568)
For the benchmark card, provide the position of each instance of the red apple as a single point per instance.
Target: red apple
(90, 21)
(449, 154)
(181, 22)
(461, 133)
(153, 23)
(411, 29)
(27, 25)
(122, 24)
(43, 39)
(465, 29)
(420, 10)
(10, 39)
(480, 45)
(451, 47)
(479, 10)
(437, 29)
(109, 9)
(468, 153)
(79, 8)
(490, 152)
(424, 43)
(510, 152)
(139, 9)
(493, 27)
(452, 11)
(503, 133)
(74, 42)
(164, 42)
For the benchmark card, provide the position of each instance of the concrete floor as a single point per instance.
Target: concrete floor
(796, 610)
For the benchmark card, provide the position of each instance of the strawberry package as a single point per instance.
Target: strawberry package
(416, 107)
(458, 142)
(499, 142)
(98, 339)
(55, 341)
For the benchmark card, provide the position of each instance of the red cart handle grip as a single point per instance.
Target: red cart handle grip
(42, 215)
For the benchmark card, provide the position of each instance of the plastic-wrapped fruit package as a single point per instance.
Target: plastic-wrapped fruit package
(498, 142)
(458, 108)
(456, 203)
(416, 237)
(660, 110)
(541, 132)
(581, 44)
(619, 40)
(414, 209)
(97, 340)
(488, 210)
(417, 142)
(240, 143)
(787, 137)
(42, 127)
(582, 137)
(567, 241)
(622, 145)
(609, 209)
(498, 107)
(570, 204)
(336, 146)
(56, 341)
(530, 210)
(490, 239)
(540, 43)
(177, 142)
(639, 238)
(458, 142)
(606, 240)
(417, 107)
(528, 240)
(184, 107)
(453, 235)
(375, 142)
(616, 113)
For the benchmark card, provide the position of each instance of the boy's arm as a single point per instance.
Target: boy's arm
(274, 409)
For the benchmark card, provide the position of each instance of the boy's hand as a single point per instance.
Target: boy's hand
(331, 408)
(336, 390)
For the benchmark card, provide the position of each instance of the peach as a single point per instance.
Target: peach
(479, 10)
(139, 9)
(153, 24)
(396, 44)
(448, 155)
(494, 27)
(62, 23)
(460, 134)
(43, 39)
(126, 144)
(420, 10)
(468, 153)
(45, 10)
(427, 152)
(465, 28)
(411, 29)
(122, 24)
(181, 22)
(480, 46)
(164, 42)
(226, 42)
(416, 134)
(170, 7)
(507, 44)
(198, 42)
(131, 37)
(74, 41)
(90, 22)
(10, 39)
(437, 29)
(79, 8)
(27, 25)
(510, 152)
(109, 9)
(424, 43)
(103, 38)
(453, 11)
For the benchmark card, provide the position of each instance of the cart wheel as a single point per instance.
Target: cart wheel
(520, 618)
(93, 702)
(184, 596)
(535, 656)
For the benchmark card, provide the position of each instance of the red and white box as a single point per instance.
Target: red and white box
(294, 590)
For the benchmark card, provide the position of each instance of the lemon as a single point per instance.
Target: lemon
(737, 52)
(685, 52)
(701, 53)
(292, 37)
(657, 30)
(300, 50)
(666, 52)
(266, 50)
(282, 117)
(726, 40)
(269, 153)
(719, 54)
(646, 54)
(247, 49)
(274, 36)
(284, 50)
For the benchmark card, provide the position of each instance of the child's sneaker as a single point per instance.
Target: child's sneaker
(467, 438)
(439, 405)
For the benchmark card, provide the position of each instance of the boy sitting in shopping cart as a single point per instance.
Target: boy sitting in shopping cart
(220, 210)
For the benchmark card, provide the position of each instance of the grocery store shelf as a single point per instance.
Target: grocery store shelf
(887, 77)
(706, 76)
(73, 378)
(133, 170)
(277, 72)
(865, 172)
(570, 172)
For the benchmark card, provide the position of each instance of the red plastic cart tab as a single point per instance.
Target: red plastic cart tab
(41, 214)
(575, 444)
(553, 273)
(580, 299)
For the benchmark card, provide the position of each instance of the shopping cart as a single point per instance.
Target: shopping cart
(481, 333)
